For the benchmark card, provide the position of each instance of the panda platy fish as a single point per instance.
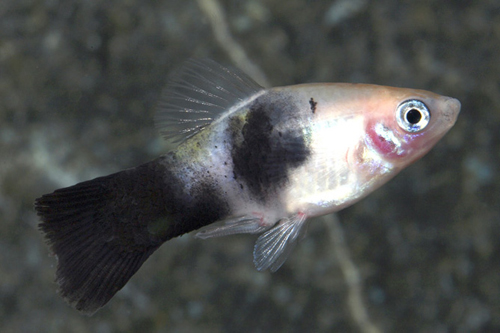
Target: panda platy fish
(248, 160)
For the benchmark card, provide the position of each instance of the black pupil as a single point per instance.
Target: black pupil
(413, 116)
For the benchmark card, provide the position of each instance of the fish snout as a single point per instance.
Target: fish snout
(454, 106)
(450, 110)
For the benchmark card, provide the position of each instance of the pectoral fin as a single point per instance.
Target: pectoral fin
(274, 246)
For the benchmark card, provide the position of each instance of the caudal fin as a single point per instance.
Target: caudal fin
(99, 231)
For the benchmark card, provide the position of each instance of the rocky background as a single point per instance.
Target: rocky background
(78, 84)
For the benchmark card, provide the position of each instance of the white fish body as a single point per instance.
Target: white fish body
(250, 160)
(354, 146)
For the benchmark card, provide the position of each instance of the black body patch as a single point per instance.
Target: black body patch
(263, 155)
(150, 195)
(313, 104)
(204, 205)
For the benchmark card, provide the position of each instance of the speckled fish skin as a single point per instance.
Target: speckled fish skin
(250, 160)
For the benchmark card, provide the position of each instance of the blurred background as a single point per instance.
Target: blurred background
(78, 85)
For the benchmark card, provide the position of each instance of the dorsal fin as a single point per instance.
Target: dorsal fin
(198, 93)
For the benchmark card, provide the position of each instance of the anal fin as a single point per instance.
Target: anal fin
(247, 224)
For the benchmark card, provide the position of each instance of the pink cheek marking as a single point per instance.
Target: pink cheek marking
(302, 215)
(383, 145)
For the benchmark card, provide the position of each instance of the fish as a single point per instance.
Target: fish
(244, 160)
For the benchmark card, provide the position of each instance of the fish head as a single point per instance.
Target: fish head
(405, 124)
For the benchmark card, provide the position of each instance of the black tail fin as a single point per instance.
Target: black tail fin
(100, 231)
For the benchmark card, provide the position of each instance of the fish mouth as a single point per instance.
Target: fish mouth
(451, 110)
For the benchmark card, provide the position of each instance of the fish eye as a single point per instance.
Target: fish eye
(413, 115)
